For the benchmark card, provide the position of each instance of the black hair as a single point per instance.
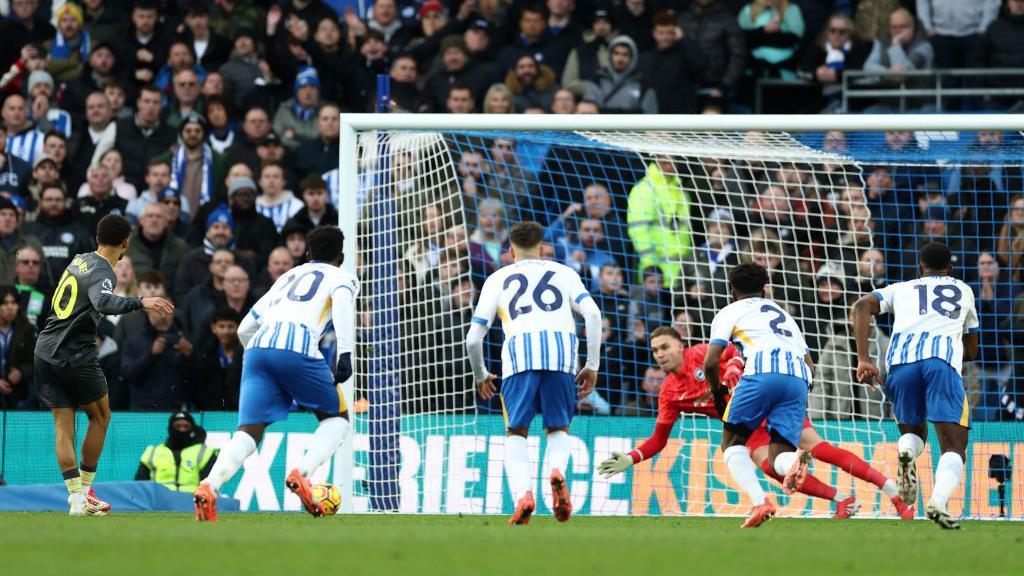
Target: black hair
(325, 244)
(113, 230)
(225, 314)
(936, 256)
(748, 278)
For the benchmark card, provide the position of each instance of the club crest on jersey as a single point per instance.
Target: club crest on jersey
(107, 284)
(699, 374)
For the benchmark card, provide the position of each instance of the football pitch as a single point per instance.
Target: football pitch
(173, 544)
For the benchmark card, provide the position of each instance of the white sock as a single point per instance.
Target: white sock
(558, 451)
(889, 489)
(743, 471)
(230, 459)
(911, 443)
(326, 439)
(947, 477)
(517, 462)
(783, 462)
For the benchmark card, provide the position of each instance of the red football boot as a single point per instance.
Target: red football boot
(206, 503)
(846, 508)
(905, 511)
(524, 509)
(560, 493)
(302, 488)
(760, 514)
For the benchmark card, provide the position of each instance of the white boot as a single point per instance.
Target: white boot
(78, 504)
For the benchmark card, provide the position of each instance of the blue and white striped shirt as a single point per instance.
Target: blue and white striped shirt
(287, 336)
(279, 212)
(931, 315)
(26, 145)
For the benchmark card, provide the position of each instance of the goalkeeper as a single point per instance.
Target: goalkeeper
(686, 390)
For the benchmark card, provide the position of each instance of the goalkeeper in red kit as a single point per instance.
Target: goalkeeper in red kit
(686, 390)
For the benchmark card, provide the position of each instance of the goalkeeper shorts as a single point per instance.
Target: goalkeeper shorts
(552, 393)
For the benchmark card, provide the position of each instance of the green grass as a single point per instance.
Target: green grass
(35, 544)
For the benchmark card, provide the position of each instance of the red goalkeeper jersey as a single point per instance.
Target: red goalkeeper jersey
(687, 391)
(681, 390)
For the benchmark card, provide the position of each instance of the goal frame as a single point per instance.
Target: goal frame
(353, 123)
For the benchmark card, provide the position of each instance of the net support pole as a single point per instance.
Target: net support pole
(384, 364)
(348, 214)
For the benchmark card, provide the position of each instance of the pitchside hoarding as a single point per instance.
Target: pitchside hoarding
(455, 465)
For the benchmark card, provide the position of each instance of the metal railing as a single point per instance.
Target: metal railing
(864, 84)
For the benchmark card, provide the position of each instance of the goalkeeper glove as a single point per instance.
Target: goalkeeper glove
(731, 375)
(617, 464)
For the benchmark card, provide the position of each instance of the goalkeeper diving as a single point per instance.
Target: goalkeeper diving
(686, 389)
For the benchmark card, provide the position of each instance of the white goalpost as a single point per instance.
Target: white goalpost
(651, 210)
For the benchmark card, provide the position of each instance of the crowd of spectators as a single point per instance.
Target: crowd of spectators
(214, 127)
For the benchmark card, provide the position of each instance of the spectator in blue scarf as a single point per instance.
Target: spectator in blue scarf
(295, 120)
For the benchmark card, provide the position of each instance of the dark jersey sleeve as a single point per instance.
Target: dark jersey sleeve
(101, 294)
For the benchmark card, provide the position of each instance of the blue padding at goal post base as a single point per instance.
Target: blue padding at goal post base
(122, 496)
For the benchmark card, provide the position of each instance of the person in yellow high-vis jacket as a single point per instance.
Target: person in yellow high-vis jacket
(183, 460)
(658, 216)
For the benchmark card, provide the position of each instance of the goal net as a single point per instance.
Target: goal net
(652, 221)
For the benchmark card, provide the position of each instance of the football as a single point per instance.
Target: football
(328, 496)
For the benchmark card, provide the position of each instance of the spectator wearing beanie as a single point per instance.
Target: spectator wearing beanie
(255, 234)
(46, 116)
(69, 48)
(220, 235)
(197, 172)
(456, 69)
(295, 120)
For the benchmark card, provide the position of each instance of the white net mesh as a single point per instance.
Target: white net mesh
(652, 221)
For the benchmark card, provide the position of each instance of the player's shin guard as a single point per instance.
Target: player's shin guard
(743, 471)
(811, 486)
(947, 477)
(328, 436)
(847, 462)
(517, 463)
(231, 457)
(558, 451)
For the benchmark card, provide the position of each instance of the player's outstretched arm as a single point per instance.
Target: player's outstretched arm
(863, 309)
(620, 462)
